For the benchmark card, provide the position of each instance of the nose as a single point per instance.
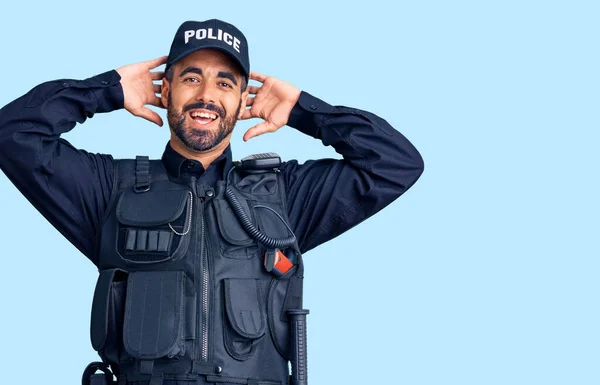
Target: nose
(206, 93)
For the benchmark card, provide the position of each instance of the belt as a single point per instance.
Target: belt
(106, 377)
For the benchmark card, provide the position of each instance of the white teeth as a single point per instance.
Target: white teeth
(203, 115)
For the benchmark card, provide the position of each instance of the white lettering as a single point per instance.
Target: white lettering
(221, 35)
(201, 34)
(227, 38)
(210, 34)
(188, 34)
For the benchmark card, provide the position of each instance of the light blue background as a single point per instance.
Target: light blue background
(485, 272)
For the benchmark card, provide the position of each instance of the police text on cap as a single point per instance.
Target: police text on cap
(204, 34)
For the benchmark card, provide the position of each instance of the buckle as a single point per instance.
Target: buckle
(141, 189)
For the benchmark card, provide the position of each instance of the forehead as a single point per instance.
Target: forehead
(206, 59)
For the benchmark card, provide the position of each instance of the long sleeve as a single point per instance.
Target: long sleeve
(69, 187)
(329, 196)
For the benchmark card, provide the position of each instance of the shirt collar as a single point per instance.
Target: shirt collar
(179, 166)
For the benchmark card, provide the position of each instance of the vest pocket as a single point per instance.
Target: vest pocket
(245, 322)
(108, 307)
(154, 315)
(154, 226)
(237, 244)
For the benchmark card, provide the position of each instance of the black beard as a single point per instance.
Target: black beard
(197, 139)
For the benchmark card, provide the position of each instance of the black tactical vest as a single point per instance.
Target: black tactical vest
(184, 290)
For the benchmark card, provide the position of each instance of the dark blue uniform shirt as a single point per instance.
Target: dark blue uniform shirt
(71, 187)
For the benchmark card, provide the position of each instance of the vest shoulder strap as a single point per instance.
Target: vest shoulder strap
(138, 173)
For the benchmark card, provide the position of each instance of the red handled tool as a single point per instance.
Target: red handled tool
(276, 262)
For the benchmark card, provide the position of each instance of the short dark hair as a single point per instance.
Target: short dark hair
(170, 72)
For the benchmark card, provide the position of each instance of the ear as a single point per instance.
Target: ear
(164, 92)
(243, 104)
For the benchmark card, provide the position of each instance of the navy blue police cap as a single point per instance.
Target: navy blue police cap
(195, 35)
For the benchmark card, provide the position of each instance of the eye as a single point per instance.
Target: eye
(226, 85)
(191, 80)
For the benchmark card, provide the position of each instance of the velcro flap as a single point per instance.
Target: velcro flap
(230, 225)
(152, 208)
(270, 223)
(154, 319)
(258, 184)
(244, 307)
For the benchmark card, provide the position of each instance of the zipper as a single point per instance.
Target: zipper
(197, 271)
(202, 280)
(205, 290)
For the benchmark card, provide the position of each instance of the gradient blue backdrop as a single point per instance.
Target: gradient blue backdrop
(485, 272)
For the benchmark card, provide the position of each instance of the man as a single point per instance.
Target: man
(200, 256)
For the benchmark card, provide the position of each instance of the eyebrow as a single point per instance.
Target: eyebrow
(221, 74)
(227, 75)
(194, 70)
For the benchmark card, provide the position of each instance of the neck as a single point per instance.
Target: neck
(204, 157)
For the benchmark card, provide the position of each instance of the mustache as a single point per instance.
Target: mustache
(204, 106)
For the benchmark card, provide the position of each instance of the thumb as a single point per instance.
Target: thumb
(257, 130)
(149, 115)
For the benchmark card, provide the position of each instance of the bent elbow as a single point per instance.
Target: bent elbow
(418, 165)
(409, 167)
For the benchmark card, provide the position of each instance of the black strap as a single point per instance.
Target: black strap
(156, 379)
(242, 381)
(142, 174)
(147, 367)
(91, 370)
(99, 379)
(205, 368)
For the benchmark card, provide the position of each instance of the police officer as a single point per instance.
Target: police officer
(200, 256)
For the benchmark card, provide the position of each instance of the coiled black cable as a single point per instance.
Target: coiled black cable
(270, 242)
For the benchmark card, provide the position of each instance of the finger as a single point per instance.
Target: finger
(157, 88)
(156, 102)
(149, 115)
(247, 114)
(157, 75)
(253, 89)
(258, 77)
(259, 129)
(249, 101)
(156, 62)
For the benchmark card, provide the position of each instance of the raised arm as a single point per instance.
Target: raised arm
(68, 186)
(327, 196)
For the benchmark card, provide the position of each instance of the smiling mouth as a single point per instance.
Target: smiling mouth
(203, 117)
